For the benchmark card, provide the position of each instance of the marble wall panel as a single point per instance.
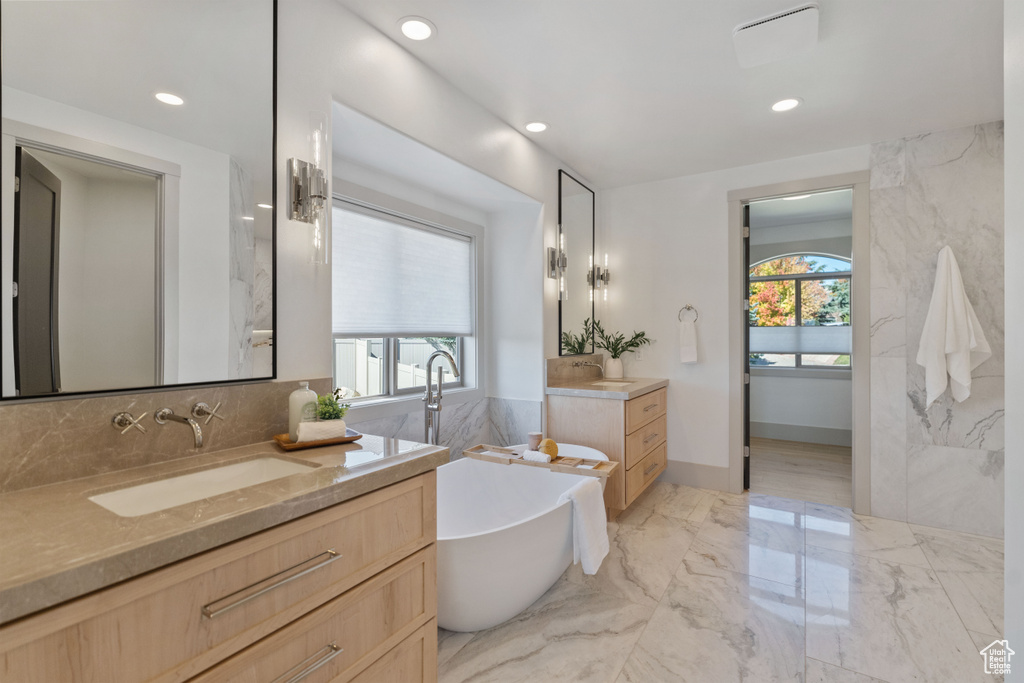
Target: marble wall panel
(955, 488)
(928, 191)
(51, 441)
(511, 420)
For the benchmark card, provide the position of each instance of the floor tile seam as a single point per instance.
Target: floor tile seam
(870, 557)
(846, 668)
(944, 532)
(877, 559)
(636, 643)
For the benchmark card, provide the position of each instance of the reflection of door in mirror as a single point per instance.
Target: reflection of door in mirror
(576, 237)
(35, 272)
(203, 285)
(86, 237)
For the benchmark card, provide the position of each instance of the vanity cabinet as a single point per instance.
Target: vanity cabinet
(336, 590)
(631, 431)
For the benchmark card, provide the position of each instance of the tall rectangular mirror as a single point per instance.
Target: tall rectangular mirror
(576, 243)
(137, 242)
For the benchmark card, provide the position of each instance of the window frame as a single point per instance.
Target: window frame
(799, 369)
(470, 350)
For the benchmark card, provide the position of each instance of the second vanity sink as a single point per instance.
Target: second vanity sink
(163, 494)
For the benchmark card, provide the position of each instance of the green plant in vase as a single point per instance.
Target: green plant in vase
(616, 344)
(576, 344)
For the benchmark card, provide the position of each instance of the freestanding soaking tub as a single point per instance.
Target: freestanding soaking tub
(502, 538)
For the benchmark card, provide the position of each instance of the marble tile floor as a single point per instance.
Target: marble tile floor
(816, 473)
(714, 587)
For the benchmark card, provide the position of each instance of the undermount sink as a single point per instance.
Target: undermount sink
(164, 494)
(609, 383)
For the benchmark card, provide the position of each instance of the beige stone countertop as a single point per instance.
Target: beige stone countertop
(623, 389)
(59, 545)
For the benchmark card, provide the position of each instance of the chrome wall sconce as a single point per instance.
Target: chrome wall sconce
(557, 264)
(598, 277)
(307, 189)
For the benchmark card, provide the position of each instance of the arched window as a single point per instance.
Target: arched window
(799, 311)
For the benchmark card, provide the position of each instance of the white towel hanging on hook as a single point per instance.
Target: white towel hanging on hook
(952, 342)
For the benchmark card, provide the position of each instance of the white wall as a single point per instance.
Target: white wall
(203, 295)
(367, 71)
(807, 402)
(111, 345)
(668, 246)
(1013, 73)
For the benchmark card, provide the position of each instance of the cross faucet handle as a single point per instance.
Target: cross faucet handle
(125, 421)
(204, 410)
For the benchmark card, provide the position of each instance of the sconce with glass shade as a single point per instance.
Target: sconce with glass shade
(598, 277)
(307, 189)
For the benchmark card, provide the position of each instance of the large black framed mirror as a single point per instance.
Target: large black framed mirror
(575, 265)
(138, 188)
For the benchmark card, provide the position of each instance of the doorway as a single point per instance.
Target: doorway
(799, 346)
(799, 411)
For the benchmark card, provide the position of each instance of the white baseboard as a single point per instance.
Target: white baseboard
(698, 476)
(823, 435)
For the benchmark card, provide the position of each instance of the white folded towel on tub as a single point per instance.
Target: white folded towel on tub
(589, 523)
(536, 456)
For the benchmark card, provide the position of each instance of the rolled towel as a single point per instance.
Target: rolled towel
(319, 431)
(536, 456)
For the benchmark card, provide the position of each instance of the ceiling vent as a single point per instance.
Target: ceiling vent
(776, 37)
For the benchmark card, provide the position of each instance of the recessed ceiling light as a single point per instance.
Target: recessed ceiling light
(799, 196)
(786, 105)
(248, 218)
(536, 127)
(168, 98)
(417, 28)
(265, 206)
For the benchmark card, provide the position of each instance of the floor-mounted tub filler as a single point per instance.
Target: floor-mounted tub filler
(502, 537)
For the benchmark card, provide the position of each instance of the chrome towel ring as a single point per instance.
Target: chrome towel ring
(688, 307)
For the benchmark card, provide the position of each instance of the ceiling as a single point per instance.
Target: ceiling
(803, 208)
(111, 57)
(650, 89)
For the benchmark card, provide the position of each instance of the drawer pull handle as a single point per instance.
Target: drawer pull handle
(651, 438)
(650, 468)
(650, 407)
(244, 595)
(309, 664)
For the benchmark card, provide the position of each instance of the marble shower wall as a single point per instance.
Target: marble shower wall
(495, 421)
(52, 441)
(241, 273)
(940, 466)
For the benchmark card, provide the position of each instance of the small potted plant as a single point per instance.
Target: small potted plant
(616, 344)
(329, 422)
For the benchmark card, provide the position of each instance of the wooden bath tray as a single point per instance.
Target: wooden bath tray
(597, 468)
(284, 442)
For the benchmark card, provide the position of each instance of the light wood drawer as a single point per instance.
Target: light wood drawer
(338, 641)
(414, 659)
(175, 622)
(644, 439)
(645, 471)
(644, 409)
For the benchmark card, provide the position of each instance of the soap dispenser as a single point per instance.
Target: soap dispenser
(301, 407)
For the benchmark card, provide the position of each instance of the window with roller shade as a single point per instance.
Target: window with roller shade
(402, 289)
(799, 312)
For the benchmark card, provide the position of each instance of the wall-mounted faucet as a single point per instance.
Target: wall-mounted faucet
(164, 415)
(585, 363)
(432, 402)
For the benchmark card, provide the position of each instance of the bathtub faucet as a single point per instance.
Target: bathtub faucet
(432, 401)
